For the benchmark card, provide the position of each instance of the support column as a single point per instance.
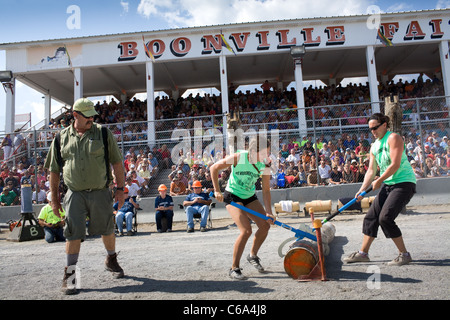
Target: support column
(77, 84)
(301, 113)
(224, 96)
(444, 54)
(373, 81)
(10, 114)
(150, 82)
(48, 109)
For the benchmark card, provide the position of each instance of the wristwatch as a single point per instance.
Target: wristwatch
(121, 188)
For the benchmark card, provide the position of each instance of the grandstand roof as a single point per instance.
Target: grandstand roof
(336, 49)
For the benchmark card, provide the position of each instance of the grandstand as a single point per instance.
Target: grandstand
(336, 48)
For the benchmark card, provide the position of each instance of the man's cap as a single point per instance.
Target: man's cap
(85, 106)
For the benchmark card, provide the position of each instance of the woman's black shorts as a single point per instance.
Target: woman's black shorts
(228, 197)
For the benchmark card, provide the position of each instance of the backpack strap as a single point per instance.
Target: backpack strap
(58, 151)
(105, 145)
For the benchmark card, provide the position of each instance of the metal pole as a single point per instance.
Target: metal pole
(422, 161)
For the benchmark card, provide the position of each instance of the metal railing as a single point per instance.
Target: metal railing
(421, 117)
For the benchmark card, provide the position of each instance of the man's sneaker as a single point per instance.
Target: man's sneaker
(69, 282)
(202, 229)
(357, 257)
(255, 262)
(130, 233)
(190, 230)
(400, 260)
(236, 274)
(112, 265)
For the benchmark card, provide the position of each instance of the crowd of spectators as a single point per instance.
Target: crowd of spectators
(300, 162)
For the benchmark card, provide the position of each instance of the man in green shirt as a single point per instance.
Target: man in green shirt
(52, 224)
(7, 197)
(87, 177)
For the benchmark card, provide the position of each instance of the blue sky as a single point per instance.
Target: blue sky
(27, 20)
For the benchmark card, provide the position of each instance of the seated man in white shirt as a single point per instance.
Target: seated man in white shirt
(133, 189)
(293, 157)
(324, 172)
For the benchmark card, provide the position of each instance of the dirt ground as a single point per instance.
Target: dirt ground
(194, 267)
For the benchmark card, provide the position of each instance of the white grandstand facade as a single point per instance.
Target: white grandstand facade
(176, 60)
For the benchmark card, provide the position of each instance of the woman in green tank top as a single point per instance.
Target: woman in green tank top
(246, 168)
(387, 153)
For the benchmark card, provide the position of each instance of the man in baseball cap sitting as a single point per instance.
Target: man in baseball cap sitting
(125, 212)
(197, 202)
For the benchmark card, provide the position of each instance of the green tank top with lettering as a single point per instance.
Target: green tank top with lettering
(242, 181)
(380, 149)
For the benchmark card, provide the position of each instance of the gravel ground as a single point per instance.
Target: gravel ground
(187, 267)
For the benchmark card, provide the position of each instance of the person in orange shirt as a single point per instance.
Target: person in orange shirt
(177, 187)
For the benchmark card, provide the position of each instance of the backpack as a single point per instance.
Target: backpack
(105, 145)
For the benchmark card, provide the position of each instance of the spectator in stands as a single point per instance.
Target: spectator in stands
(126, 213)
(39, 196)
(325, 151)
(417, 171)
(360, 174)
(284, 151)
(52, 224)
(133, 189)
(145, 174)
(153, 162)
(347, 174)
(308, 147)
(437, 147)
(12, 180)
(7, 146)
(324, 172)
(207, 183)
(444, 143)
(349, 143)
(197, 202)
(336, 176)
(164, 209)
(301, 176)
(165, 156)
(223, 179)
(312, 178)
(293, 156)
(337, 158)
(182, 177)
(7, 197)
(177, 187)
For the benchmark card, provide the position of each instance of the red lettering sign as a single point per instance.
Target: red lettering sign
(156, 47)
(335, 35)
(307, 38)
(263, 44)
(436, 27)
(389, 29)
(240, 40)
(414, 32)
(283, 41)
(180, 47)
(128, 51)
(211, 43)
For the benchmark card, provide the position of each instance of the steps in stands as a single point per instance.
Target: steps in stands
(161, 178)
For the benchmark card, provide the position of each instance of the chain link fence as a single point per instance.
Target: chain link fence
(333, 148)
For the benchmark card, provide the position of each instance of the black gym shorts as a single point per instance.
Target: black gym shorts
(228, 197)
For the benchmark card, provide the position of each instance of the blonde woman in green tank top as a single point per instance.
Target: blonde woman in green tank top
(397, 184)
(246, 168)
